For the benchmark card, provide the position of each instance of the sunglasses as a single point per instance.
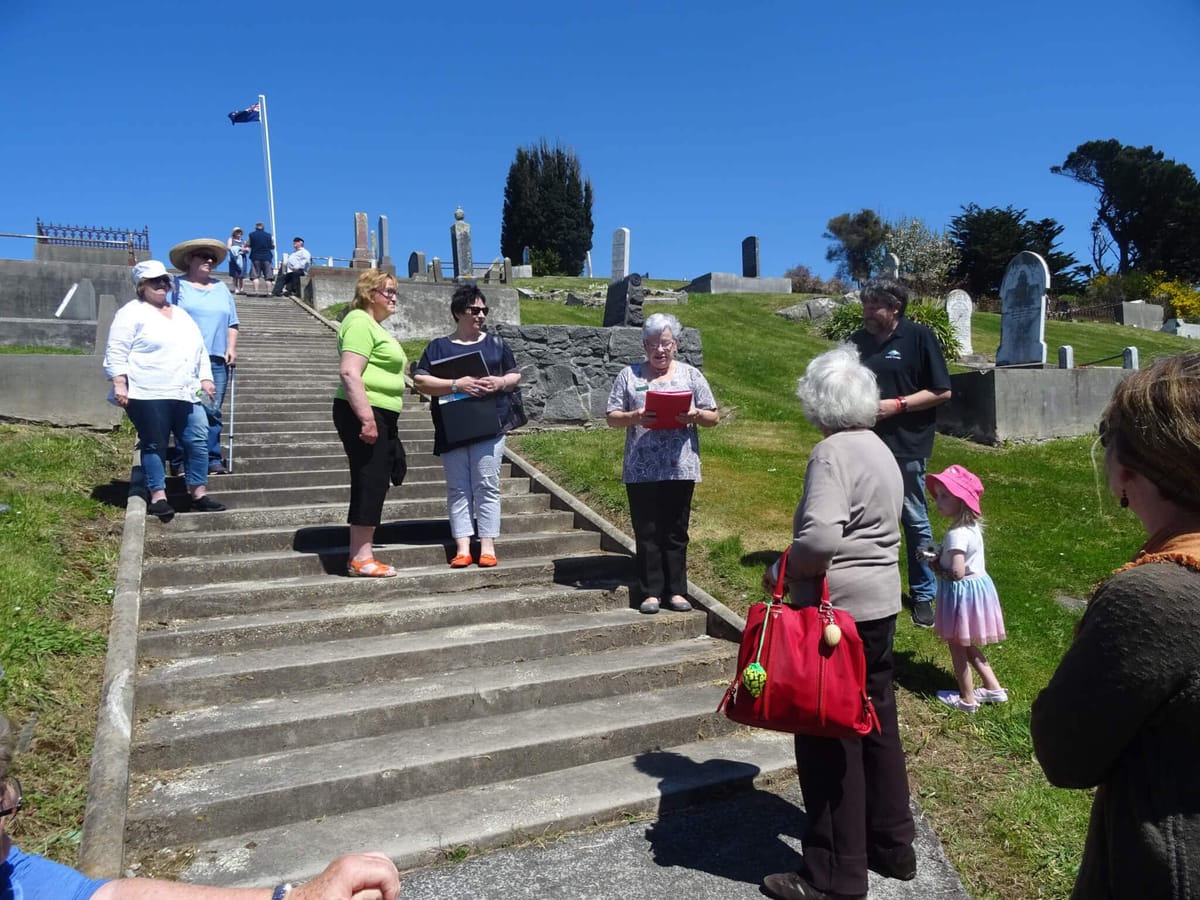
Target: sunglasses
(477, 310)
(7, 811)
(163, 281)
(204, 257)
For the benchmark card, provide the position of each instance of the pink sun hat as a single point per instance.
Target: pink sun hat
(962, 484)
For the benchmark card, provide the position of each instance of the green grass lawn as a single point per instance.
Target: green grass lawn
(1052, 531)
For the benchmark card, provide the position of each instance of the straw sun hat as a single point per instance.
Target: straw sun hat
(180, 252)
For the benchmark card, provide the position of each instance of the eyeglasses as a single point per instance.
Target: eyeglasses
(8, 811)
(390, 292)
(477, 310)
(655, 345)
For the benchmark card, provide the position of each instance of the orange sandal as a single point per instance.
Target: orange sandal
(369, 568)
(487, 560)
(461, 561)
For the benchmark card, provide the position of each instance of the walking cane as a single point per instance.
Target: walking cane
(232, 396)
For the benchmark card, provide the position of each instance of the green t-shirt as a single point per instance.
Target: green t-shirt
(383, 377)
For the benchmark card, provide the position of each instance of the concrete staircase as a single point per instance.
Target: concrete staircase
(286, 713)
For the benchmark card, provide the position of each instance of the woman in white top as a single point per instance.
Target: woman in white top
(159, 367)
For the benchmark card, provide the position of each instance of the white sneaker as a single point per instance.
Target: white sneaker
(983, 695)
(953, 700)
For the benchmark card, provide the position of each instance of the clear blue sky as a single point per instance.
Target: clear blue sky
(698, 123)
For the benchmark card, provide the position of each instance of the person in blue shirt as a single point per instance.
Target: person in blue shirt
(211, 306)
(27, 876)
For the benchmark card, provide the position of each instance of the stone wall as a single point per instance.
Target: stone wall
(567, 371)
(33, 290)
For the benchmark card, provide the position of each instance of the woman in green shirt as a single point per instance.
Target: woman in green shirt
(365, 412)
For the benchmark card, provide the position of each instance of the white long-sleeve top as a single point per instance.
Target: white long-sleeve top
(161, 358)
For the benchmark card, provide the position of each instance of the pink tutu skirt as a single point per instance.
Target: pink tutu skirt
(967, 611)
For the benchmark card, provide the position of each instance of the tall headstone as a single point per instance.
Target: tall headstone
(460, 244)
(750, 257)
(435, 269)
(623, 304)
(385, 256)
(890, 267)
(1023, 311)
(959, 309)
(416, 265)
(361, 258)
(508, 272)
(525, 257)
(620, 255)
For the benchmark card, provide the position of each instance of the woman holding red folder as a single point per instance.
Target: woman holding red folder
(662, 459)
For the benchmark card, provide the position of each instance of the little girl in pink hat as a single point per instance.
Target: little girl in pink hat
(968, 609)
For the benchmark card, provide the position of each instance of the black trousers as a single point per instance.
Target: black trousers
(856, 791)
(370, 464)
(660, 512)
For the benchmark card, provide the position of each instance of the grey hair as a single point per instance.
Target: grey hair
(658, 323)
(838, 392)
(887, 290)
(6, 746)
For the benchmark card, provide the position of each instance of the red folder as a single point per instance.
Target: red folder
(666, 405)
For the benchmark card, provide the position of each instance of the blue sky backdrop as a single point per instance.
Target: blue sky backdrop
(699, 123)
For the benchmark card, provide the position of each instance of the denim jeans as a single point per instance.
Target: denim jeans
(914, 519)
(473, 487)
(156, 421)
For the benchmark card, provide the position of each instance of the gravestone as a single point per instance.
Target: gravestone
(1023, 311)
(385, 256)
(620, 256)
(361, 258)
(525, 257)
(416, 265)
(959, 309)
(623, 303)
(890, 267)
(508, 270)
(435, 269)
(460, 245)
(750, 257)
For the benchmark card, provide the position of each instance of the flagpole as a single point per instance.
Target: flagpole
(262, 105)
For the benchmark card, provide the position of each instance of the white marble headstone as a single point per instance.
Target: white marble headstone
(620, 255)
(1023, 311)
(959, 309)
(890, 267)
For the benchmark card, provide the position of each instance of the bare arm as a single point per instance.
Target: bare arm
(350, 372)
(231, 338)
(922, 399)
(361, 876)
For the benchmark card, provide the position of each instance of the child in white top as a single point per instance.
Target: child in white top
(968, 608)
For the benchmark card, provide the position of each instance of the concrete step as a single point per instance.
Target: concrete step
(259, 629)
(286, 495)
(429, 550)
(302, 444)
(420, 831)
(268, 791)
(192, 601)
(274, 671)
(232, 730)
(163, 545)
(271, 465)
(396, 509)
(241, 480)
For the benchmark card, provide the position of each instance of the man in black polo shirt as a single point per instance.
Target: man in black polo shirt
(908, 365)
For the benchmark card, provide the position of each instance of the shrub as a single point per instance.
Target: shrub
(847, 319)
(1178, 299)
(805, 282)
(546, 261)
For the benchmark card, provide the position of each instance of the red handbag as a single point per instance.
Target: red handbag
(801, 670)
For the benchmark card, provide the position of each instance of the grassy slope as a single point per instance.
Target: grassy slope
(1052, 531)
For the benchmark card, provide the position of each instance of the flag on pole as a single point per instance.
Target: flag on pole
(250, 114)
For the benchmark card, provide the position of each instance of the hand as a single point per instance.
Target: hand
(472, 387)
(768, 582)
(231, 357)
(644, 417)
(121, 395)
(493, 384)
(691, 417)
(359, 876)
(369, 433)
(209, 388)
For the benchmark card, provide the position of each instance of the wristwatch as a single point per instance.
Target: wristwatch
(281, 891)
(454, 385)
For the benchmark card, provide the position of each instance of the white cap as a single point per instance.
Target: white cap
(149, 268)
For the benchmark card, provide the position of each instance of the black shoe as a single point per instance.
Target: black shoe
(922, 613)
(900, 864)
(206, 504)
(162, 509)
(794, 886)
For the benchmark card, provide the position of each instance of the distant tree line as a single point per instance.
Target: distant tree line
(1145, 237)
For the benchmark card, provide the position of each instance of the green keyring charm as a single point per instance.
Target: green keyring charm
(754, 677)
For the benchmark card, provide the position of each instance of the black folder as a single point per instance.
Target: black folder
(464, 418)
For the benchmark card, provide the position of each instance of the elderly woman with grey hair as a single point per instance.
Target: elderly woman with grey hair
(846, 529)
(662, 461)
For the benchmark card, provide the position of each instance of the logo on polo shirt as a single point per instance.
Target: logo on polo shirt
(892, 354)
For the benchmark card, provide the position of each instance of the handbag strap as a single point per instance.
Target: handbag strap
(776, 597)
